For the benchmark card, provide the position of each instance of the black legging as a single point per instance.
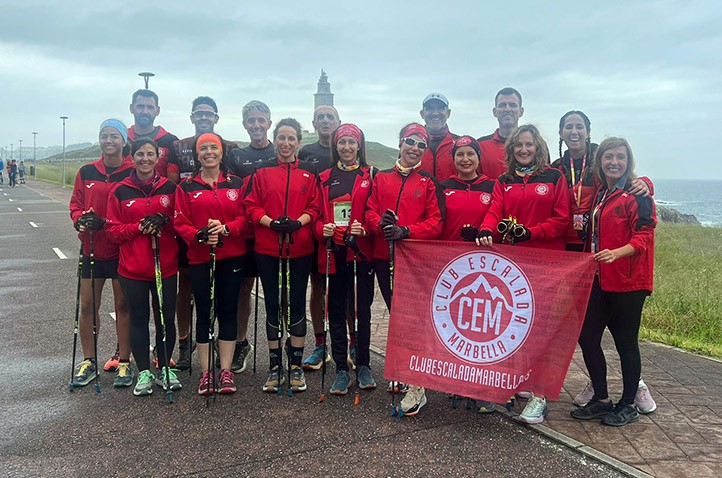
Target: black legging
(383, 276)
(622, 313)
(136, 295)
(341, 301)
(268, 272)
(229, 274)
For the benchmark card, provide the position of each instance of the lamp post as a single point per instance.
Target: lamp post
(63, 118)
(35, 158)
(146, 76)
(20, 150)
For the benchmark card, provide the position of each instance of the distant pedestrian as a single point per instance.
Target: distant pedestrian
(13, 173)
(21, 172)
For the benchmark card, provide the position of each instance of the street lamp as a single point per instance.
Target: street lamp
(63, 118)
(35, 158)
(20, 150)
(146, 76)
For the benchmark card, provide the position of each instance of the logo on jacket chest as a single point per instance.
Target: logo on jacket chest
(417, 193)
(541, 189)
(197, 195)
(165, 201)
(365, 183)
(129, 203)
(485, 199)
(232, 194)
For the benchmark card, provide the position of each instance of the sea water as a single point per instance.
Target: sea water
(703, 198)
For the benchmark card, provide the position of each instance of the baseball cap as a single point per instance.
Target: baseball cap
(435, 96)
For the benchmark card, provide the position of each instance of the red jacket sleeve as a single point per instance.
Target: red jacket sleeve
(182, 220)
(373, 218)
(558, 222)
(643, 220)
(430, 228)
(313, 204)
(117, 230)
(77, 200)
(254, 201)
(496, 210)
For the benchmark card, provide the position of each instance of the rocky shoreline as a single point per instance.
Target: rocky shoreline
(671, 215)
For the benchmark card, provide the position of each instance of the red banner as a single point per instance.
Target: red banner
(485, 322)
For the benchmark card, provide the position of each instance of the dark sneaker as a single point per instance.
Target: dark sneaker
(621, 415)
(172, 379)
(84, 373)
(226, 382)
(365, 378)
(185, 350)
(593, 409)
(272, 383)
(124, 377)
(144, 385)
(482, 406)
(315, 360)
(240, 357)
(298, 379)
(340, 385)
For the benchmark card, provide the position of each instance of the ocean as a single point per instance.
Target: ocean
(703, 198)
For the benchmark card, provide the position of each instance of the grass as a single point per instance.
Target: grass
(53, 172)
(685, 309)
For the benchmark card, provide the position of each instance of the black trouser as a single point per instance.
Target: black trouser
(622, 313)
(136, 295)
(229, 274)
(383, 276)
(268, 272)
(341, 301)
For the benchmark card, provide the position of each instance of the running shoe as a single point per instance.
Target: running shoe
(172, 379)
(298, 379)
(340, 385)
(482, 406)
(226, 382)
(535, 410)
(643, 400)
(398, 387)
(240, 356)
(524, 395)
(621, 415)
(593, 409)
(84, 373)
(413, 401)
(185, 350)
(144, 385)
(124, 377)
(205, 387)
(315, 360)
(155, 360)
(112, 364)
(365, 378)
(585, 395)
(272, 383)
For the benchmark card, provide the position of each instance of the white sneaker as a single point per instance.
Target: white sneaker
(585, 395)
(414, 399)
(643, 400)
(524, 395)
(535, 410)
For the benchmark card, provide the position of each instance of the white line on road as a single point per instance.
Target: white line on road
(59, 253)
(32, 224)
(20, 210)
(11, 200)
(112, 315)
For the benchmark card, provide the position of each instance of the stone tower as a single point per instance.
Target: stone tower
(323, 96)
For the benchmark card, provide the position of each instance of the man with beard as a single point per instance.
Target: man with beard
(507, 110)
(145, 108)
(437, 159)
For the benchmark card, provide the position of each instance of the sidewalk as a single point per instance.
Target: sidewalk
(682, 438)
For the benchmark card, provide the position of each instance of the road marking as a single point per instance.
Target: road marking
(11, 200)
(32, 224)
(20, 210)
(5, 194)
(59, 253)
(112, 315)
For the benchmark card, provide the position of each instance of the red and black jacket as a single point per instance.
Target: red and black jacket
(181, 160)
(358, 196)
(417, 200)
(493, 158)
(283, 188)
(165, 142)
(539, 201)
(465, 204)
(440, 163)
(93, 186)
(621, 218)
(197, 201)
(127, 207)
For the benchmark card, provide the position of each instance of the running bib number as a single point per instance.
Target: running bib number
(342, 213)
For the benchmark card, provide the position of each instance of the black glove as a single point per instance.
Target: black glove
(280, 225)
(92, 221)
(483, 234)
(388, 218)
(202, 235)
(394, 233)
(155, 222)
(351, 241)
(521, 233)
(79, 222)
(469, 233)
(293, 226)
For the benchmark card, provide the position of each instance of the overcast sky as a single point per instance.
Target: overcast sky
(650, 71)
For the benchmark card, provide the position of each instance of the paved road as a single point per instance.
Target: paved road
(46, 431)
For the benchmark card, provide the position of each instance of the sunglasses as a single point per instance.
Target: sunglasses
(413, 142)
(204, 114)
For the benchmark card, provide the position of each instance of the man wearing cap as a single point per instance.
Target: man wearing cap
(204, 116)
(507, 110)
(437, 159)
(144, 108)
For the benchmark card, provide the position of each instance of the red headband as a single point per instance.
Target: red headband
(348, 129)
(414, 129)
(208, 138)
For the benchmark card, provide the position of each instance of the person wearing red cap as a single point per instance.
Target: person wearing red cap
(437, 158)
(209, 216)
(507, 111)
(345, 190)
(406, 202)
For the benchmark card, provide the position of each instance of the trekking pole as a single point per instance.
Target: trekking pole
(95, 314)
(280, 311)
(394, 410)
(159, 292)
(77, 315)
(287, 287)
(211, 324)
(357, 398)
(255, 328)
(325, 320)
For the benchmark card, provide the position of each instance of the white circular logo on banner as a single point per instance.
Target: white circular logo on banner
(483, 307)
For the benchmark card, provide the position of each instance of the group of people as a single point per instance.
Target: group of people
(15, 171)
(192, 223)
